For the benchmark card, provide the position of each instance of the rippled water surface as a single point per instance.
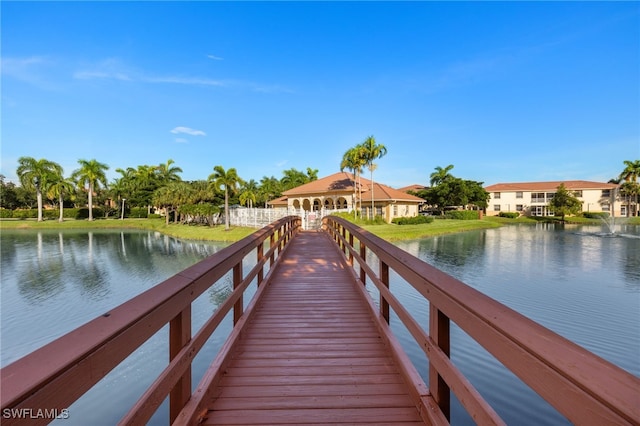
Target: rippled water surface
(577, 281)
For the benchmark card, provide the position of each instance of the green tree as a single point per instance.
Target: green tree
(37, 174)
(440, 175)
(630, 175)
(60, 186)
(564, 202)
(270, 188)
(354, 160)
(92, 174)
(229, 180)
(371, 151)
(167, 173)
(8, 194)
(248, 193)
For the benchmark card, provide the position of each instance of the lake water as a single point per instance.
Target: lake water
(573, 280)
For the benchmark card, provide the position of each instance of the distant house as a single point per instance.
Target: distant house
(532, 198)
(339, 191)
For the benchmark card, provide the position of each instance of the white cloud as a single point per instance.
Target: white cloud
(185, 80)
(188, 131)
(281, 163)
(215, 58)
(34, 70)
(181, 140)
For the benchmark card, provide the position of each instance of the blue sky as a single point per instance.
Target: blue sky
(504, 91)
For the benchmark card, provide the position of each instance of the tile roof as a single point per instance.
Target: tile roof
(548, 186)
(415, 188)
(337, 182)
(342, 182)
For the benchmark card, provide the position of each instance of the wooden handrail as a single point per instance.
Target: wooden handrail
(580, 385)
(57, 374)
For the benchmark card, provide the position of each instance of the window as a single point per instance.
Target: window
(496, 195)
(519, 194)
(577, 193)
(550, 195)
(519, 207)
(537, 197)
(496, 207)
(606, 193)
(395, 210)
(606, 207)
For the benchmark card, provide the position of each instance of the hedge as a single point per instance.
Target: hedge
(510, 215)
(52, 214)
(595, 215)
(415, 220)
(462, 215)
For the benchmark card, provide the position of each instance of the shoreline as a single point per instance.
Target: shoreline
(203, 233)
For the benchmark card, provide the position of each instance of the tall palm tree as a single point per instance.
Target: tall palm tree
(270, 187)
(228, 179)
(92, 174)
(440, 175)
(354, 161)
(167, 173)
(37, 174)
(58, 188)
(372, 151)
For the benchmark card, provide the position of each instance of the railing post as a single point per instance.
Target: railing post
(179, 336)
(384, 278)
(350, 251)
(344, 236)
(439, 332)
(260, 251)
(238, 307)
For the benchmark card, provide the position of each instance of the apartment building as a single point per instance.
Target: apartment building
(532, 198)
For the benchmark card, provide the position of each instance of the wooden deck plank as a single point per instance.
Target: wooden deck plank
(311, 353)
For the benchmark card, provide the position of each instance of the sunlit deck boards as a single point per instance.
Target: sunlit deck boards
(312, 353)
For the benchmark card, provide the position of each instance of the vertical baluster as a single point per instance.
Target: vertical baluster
(271, 241)
(237, 280)
(363, 255)
(439, 325)
(179, 336)
(384, 277)
(260, 255)
(350, 251)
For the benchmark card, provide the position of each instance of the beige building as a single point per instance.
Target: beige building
(339, 192)
(532, 198)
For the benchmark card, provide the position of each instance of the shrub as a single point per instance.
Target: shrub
(138, 212)
(154, 216)
(462, 214)
(595, 215)
(83, 212)
(25, 213)
(416, 220)
(510, 215)
(6, 214)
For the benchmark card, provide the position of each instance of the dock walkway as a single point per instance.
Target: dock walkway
(312, 353)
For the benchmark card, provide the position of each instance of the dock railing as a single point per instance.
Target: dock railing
(57, 374)
(583, 387)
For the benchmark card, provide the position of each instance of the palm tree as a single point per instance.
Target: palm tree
(630, 175)
(37, 174)
(248, 193)
(167, 173)
(354, 161)
(228, 179)
(372, 151)
(440, 175)
(270, 187)
(58, 188)
(92, 174)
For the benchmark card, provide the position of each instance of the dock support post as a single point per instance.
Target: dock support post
(439, 325)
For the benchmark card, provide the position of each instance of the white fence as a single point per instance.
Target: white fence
(257, 217)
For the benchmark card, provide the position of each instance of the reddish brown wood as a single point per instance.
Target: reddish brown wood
(312, 352)
(179, 336)
(582, 386)
(439, 328)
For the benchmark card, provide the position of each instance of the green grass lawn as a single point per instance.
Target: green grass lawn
(388, 232)
(188, 232)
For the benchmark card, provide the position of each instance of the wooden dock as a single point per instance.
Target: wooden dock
(312, 353)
